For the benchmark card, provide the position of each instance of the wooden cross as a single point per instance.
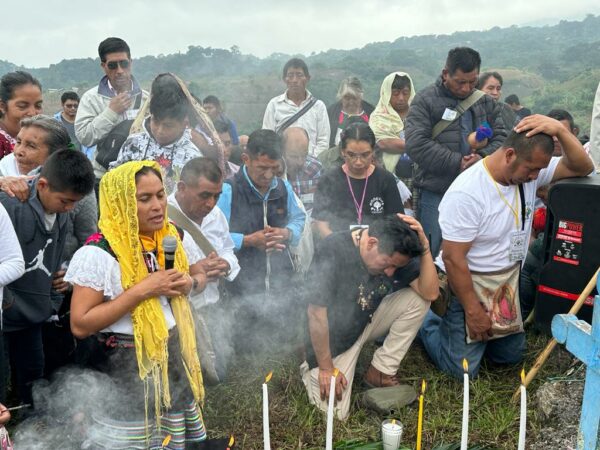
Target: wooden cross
(583, 341)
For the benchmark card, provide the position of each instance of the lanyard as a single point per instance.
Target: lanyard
(513, 209)
(362, 201)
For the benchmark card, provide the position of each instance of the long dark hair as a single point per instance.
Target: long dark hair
(359, 132)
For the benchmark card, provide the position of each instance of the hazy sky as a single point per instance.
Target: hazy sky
(37, 33)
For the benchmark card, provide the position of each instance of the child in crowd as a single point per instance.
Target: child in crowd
(166, 137)
(41, 227)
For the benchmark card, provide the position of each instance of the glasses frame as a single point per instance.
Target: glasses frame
(122, 63)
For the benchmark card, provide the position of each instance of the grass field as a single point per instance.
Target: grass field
(235, 406)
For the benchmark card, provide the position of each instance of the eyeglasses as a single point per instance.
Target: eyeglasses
(72, 106)
(112, 65)
(355, 156)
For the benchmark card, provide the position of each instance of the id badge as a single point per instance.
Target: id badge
(518, 242)
(449, 114)
(307, 198)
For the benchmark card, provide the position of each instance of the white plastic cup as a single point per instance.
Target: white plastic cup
(391, 433)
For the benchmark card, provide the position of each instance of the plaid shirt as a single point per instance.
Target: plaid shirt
(305, 182)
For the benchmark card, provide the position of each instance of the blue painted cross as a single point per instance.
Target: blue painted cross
(583, 341)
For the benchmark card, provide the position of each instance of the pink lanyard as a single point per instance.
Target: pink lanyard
(362, 201)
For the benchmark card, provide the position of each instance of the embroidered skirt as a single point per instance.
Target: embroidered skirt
(122, 425)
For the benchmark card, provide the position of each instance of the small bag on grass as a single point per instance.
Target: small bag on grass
(389, 400)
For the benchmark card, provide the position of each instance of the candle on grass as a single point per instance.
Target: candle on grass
(231, 442)
(329, 434)
(523, 422)
(465, 419)
(420, 419)
(266, 433)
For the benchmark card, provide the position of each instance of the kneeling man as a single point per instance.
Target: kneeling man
(366, 283)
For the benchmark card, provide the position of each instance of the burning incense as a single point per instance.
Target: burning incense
(14, 408)
(266, 433)
(465, 419)
(329, 434)
(523, 422)
(420, 419)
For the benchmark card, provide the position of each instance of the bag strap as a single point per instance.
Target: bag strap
(461, 108)
(522, 195)
(285, 125)
(184, 222)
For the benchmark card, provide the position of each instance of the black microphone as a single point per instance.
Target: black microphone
(169, 244)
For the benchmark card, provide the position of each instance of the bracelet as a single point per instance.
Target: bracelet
(194, 284)
(426, 251)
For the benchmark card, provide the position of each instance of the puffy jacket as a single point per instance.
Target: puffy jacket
(439, 160)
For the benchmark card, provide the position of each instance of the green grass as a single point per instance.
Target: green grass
(236, 406)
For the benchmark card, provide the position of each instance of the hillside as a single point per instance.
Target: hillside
(550, 66)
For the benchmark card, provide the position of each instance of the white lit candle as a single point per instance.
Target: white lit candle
(266, 433)
(465, 419)
(523, 422)
(329, 434)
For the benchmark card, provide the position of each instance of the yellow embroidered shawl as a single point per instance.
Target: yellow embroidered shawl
(119, 225)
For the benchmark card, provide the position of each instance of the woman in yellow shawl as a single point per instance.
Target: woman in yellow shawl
(387, 122)
(139, 315)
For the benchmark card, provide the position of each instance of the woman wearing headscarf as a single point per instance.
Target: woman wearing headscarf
(139, 315)
(387, 122)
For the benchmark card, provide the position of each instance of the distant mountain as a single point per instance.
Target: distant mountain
(536, 62)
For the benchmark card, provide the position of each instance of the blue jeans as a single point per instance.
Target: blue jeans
(428, 216)
(445, 342)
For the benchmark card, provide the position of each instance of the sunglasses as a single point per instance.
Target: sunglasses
(112, 65)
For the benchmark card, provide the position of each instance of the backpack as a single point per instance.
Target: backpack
(107, 149)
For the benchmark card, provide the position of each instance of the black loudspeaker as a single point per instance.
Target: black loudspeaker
(571, 249)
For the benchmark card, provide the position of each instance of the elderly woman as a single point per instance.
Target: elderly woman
(139, 314)
(355, 194)
(38, 138)
(349, 103)
(20, 97)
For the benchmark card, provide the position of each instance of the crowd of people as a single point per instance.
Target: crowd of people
(140, 226)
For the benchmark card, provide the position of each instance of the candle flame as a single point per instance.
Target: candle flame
(523, 376)
(393, 421)
(335, 372)
(231, 441)
(166, 441)
(465, 365)
(423, 387)
(268, 377)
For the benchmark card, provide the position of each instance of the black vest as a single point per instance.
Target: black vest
(247, 216)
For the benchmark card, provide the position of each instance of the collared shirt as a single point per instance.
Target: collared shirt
(304, 183)
(315, 121)
(216, 229)
(296, 217)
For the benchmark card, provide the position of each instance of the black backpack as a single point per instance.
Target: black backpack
(107, 150)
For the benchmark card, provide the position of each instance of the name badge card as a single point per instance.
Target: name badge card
(449, 114)
(517, 250)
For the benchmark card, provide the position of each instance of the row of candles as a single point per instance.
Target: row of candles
(465, 417)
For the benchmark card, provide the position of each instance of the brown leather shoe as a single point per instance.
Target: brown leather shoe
(375, 379)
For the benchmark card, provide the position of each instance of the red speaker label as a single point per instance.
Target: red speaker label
(569, 240)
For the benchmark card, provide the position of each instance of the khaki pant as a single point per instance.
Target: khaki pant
(400, 314)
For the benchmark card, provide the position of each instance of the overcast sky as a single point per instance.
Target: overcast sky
(37, 33)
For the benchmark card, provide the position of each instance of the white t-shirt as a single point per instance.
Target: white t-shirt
(94, 267)
(473, 211)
